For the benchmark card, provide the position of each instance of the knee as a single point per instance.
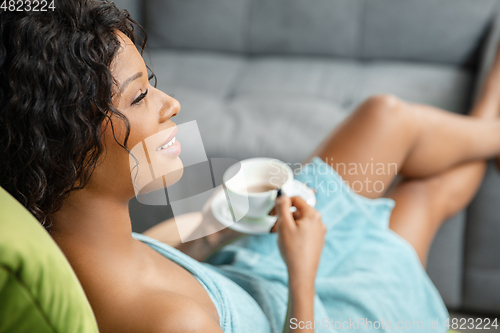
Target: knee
(384, 108)
(383, 101)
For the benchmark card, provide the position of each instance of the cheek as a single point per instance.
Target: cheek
(114, 138)
(143, 124)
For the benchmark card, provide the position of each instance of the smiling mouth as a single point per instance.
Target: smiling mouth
(168, 144)
(170, 140)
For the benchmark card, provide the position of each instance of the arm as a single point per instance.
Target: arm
(200, 248)
(300, 308)
(301, 237)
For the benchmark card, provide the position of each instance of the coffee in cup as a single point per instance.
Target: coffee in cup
(259, 188)
(251, 186)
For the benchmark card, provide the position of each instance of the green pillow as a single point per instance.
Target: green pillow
(39, 292)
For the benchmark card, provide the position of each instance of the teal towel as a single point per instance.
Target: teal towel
(369, 279)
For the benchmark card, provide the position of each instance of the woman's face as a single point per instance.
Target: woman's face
(149, 112)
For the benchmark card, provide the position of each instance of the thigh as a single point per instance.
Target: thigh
(369, 147)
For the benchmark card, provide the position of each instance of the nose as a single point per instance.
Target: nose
(169, 108)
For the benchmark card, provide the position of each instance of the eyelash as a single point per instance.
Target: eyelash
(140, 98)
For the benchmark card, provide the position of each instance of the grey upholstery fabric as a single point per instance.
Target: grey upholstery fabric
(427, 30)
(207, 73)
(362, 29)
(319, 27)
(220, 25)
(274, 77)
(488, 53)
(323, 79)
(482, 254)
(442, 86)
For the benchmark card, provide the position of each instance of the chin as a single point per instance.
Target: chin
(172, 172)
(173, 176)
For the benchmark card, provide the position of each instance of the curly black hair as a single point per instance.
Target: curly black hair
(55, 95)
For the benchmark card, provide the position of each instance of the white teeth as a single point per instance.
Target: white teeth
(165, 146)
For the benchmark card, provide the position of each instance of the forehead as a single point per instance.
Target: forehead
(128, 61)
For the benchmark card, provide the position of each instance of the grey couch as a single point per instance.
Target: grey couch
(273, 77)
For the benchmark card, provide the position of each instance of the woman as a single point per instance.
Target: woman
(75, 97)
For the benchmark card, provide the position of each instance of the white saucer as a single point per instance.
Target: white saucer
(221, 212)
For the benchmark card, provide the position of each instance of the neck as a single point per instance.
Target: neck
(93, 221)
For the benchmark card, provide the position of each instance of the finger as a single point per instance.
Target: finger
(285, 218)
(282, 205)
(274, 228)
(296, 215)
(300, 204)
(272, 212)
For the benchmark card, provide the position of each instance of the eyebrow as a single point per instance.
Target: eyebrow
(127, 81)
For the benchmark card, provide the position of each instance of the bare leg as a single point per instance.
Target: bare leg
(422, 205)
(422, 141)
(489, 97)
(439, 182)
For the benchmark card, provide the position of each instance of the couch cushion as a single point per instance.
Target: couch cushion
(213, 74)
(443, 31)
(334, 80)
(220, 25)
(442, 86)
(39, 291)
(247, 127)
(314, 27)
(446, 31)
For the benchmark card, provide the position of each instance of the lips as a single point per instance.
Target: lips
(168, 142)
(170, 146)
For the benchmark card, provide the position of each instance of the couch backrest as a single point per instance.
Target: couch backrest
(446, 31)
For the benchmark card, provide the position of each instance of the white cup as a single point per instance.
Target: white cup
(250, 174)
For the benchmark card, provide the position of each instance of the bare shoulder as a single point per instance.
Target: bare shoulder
(127, 296)
(162, 312)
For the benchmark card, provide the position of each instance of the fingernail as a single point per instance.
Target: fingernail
(279, 193)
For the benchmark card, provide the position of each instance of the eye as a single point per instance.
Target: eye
(140, 98)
